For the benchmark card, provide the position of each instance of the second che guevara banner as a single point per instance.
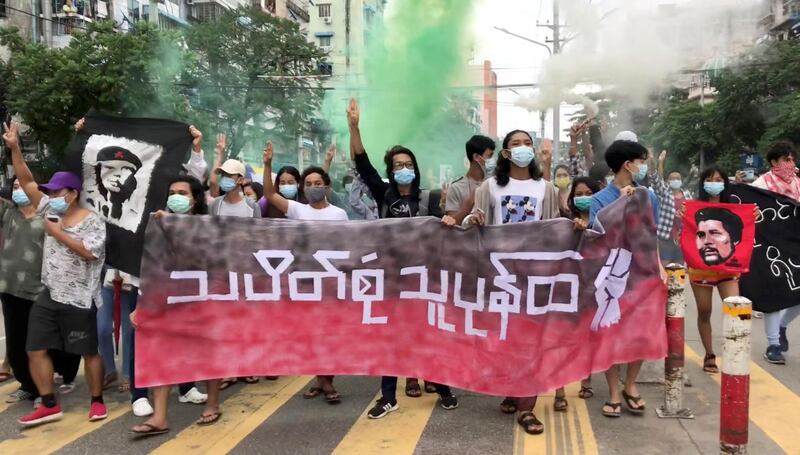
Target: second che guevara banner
(511, 310)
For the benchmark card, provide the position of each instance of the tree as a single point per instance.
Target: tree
(251, 76)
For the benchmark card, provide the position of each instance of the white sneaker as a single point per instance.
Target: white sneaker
(142, 408)
(193, 396)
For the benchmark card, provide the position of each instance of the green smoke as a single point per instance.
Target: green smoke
(411, 65)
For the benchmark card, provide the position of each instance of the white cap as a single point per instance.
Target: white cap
(627, 136)
(232, 167)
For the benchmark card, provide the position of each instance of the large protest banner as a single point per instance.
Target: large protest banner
(505, 310)
(773, 283)
(126, 165)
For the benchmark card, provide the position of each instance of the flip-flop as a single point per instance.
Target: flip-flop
(214, 418)
(227, 383)
(585, 393)
(508, 406)
(413, 390)
(251, 380)
(4, 376)
(430, 387)
(635, 400)
(527, 420)
(560, 404)
(333, 397)
(616, 409)
(313, 392)
(710, 364)
(151, 431)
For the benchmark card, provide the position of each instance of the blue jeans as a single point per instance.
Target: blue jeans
(105, 329)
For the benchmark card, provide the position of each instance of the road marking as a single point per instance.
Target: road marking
(564, 432)
(51, 437)
(242, 413)
(398, 433)
(773, 407)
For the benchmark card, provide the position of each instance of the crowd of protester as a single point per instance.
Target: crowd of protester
(57, 292)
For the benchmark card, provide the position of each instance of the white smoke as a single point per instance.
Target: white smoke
(632, 47)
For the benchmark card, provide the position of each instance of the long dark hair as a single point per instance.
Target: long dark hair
(200, 206)
(503, 171)
(291, 170)
(591, 183)
(725, 196)
(387, 159)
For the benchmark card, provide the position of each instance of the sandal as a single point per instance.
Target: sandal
(586, 392)
(413, 390)
(227, 382)
(5, 376)
(109, 380)
(530, 423)
(616, 409)
(150, 431)
(430, 387)
(208, 419)
(124, 386)
(313, 392)
(560, 404)
(710, 364)
(635, 404)
(333, 397)
(250, 380)
(508, 406)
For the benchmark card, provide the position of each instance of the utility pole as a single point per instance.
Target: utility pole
(556, 41)
(152, 12)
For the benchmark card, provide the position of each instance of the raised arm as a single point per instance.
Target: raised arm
(219, 152)
(330, 154)
(23, 173)
(197, 166)
(365, 170)
(274, 198)
(353, 118)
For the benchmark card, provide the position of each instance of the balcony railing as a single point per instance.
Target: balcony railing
(298, 9)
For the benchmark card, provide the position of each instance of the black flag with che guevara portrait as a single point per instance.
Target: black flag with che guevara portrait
(773, 283)
(126, 165)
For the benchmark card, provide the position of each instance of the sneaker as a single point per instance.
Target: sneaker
(42, 415)
(19, 395)
(773, 355)
(66, 388)
(193, 396)
(97, 411)
(142, 408)
(758, 315)
(381, 408)
(37, 403)
(449, 403)
(783, 340)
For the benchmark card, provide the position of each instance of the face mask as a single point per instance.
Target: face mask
(675, 184)
(785, 171)
(714, 188)
(288, 191)
(609, 179)
(639, 176)
(178, 203)
(404, 176)
(522, 155)
(20, 198)
(348, 187)
(562, 182)
(315, 194)
(489, 166)
(227, 184)
(582, 203)
(58, 205)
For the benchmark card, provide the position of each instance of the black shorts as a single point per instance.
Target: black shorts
(54, 325)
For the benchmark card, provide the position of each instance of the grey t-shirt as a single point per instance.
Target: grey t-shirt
(238, 209)
(21, 255)
(458, 193)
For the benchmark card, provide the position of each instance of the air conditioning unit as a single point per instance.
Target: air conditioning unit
(327, 20)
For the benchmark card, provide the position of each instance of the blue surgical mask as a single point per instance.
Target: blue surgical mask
(522, 155)
(288, 191)
(583, 203)
(642, 174)
(227, 184)
(489, 166)
(20, 198)
(404, 176)
(714, 188)
(178, 203)
(58, 205)
(675, 184)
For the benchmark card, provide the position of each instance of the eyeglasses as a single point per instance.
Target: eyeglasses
(408, 165)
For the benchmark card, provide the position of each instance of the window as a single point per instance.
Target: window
(326, 68)
(325, 10)
(324, 41)
(2, 8)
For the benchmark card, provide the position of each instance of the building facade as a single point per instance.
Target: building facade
(781, 20)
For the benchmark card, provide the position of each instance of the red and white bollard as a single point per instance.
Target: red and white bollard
(673, 363)
(735, 393)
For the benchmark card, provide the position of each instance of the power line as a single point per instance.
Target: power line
(29, 14)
